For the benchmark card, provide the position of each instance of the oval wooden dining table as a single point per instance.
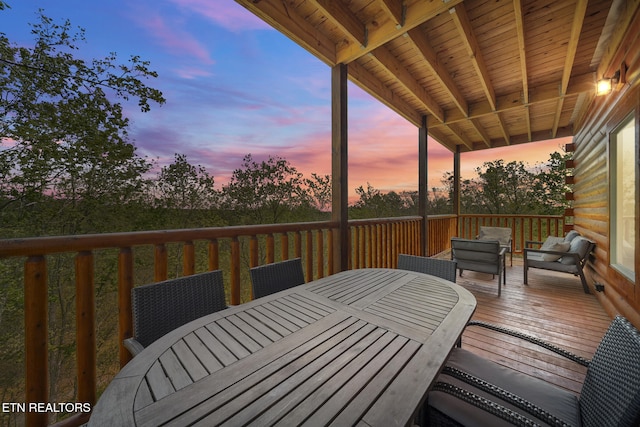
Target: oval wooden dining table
(360, 347)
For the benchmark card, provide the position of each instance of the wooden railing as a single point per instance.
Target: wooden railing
(373, 243)
(524, 227)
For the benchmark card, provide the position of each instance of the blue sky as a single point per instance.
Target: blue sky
(236, 86)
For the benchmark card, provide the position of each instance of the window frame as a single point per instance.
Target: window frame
(614, 185)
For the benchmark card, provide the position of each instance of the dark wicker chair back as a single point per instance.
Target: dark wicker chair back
(271, 278)
(611, 391)
(161, 307)
(443, 268)
(610, 394)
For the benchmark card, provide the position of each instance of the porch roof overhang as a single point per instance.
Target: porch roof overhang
(484, 73)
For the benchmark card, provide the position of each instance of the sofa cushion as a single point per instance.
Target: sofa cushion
(558, 247)
(559, 402)
(571, 235)
(579, 245)
(550, 241)
(549, 244)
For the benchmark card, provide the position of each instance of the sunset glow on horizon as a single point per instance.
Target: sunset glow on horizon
(235, 86)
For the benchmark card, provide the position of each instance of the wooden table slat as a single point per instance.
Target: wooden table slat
(159, 384)
(184, 403)
(301, 404)
(189, 361)
(202, 352)
(217, 349)
(279, 317)
(288, 380)
(228, 340)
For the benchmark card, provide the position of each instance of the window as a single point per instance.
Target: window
(623, 197)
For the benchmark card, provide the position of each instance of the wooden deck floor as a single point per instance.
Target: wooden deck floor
(553, 307)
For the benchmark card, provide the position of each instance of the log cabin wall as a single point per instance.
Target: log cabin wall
(591, 189)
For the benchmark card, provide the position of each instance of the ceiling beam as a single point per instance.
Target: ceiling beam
(393, 66)
(338, 13)
(370, 84)
(420, 42)
(517, 9)
(396, 9)
(574, 38)
(463, 24)
(417, 13)
(544, 93)
(480, 129)
(461, 19)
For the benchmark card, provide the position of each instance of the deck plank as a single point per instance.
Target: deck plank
(553, 306)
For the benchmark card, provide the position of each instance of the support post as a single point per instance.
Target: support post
(423, 188)
(339, 166)
(456, 189)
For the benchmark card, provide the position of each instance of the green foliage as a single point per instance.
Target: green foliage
(373, 203)
(184, 195)
(64, 143)
(513, 188)
(265, 192)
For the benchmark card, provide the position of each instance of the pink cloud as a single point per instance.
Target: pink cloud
(171, 37)
(228, 14)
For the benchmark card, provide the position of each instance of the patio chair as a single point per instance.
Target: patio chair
(159, 308)
(501, 234)
(480, 255)
(567, 255)
(271, 278)
(443, 268)
(472, 390)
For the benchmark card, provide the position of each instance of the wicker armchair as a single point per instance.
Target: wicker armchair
(443, 268)
(271, 278)
(474, 391)
(161, 307)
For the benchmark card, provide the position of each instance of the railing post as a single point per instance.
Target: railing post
(160, 263)
(125, 315)
(36, 337)
(284, 246)
(270, 249)
(235, 271)
(320, 253)
(309, 259)
(188, 258)
(86, 359)
(214, 255)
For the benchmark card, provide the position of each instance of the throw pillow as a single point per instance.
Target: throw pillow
(551, 240)
(558, 247)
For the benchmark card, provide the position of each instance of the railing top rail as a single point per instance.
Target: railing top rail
(375, 221)
(57, 244)
(510, 216)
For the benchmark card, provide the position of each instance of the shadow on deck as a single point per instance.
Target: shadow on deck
(553, 307)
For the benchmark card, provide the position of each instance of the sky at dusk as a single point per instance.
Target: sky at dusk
(235, 86)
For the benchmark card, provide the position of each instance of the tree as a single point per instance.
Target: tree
(62, 138)
(514, 188)
(264, 192)
(185, 193)
(319, 188)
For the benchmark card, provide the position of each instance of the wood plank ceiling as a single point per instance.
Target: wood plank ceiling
(485, 73)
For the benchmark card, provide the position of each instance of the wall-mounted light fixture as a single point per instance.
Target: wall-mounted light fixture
(606, 84)
(603, 86)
